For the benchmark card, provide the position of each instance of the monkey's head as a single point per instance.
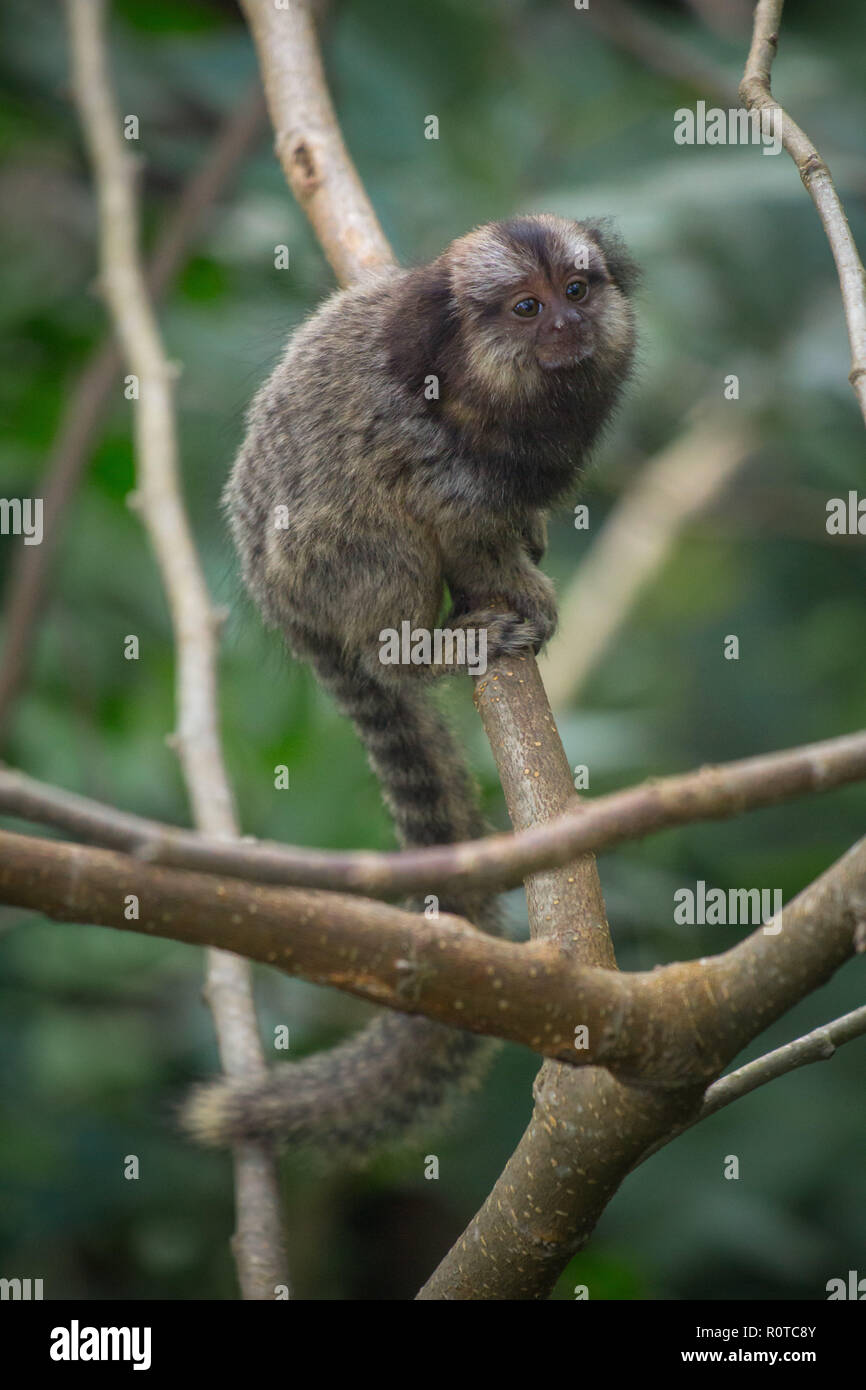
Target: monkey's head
(541, 301)
(527, 328)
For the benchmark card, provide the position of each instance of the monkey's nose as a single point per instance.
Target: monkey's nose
(567, 320)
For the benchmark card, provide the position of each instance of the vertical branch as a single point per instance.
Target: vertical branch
(564, 904)
(257, 1242)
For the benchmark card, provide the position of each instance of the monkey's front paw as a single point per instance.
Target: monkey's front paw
(509, 634)
(537, 606)
(541, 621)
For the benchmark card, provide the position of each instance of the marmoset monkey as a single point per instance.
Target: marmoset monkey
(416, 431)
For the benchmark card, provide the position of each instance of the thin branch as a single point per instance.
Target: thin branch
(636, 540)
(497, 861)
(89, 398)
(756, 94)
(257, 1243)
(84, 413)
(820, 1045)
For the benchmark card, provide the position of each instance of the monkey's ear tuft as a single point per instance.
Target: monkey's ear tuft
(422, 323)
(625, 271)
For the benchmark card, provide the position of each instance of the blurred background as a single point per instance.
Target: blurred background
(540, 107)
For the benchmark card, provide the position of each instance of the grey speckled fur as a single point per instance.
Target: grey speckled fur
(389, 495)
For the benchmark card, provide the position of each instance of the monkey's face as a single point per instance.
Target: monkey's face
(538, 300)
(561, 335)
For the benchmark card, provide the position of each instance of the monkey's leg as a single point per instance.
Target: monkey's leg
(534, 536)
(378, 597)
(506, 582)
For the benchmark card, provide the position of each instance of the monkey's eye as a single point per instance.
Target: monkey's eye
(527, 308)
(577, 289)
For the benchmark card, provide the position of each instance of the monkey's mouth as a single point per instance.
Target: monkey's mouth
(559, 358)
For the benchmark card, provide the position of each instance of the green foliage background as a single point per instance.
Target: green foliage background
(101, 1033)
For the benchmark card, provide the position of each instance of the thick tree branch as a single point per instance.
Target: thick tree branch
(589, 1129)
(90, 397)
(498, 861)
(756, 94)
(257, 1243)
(669, 1023)
(444, 968)
(662, 1027)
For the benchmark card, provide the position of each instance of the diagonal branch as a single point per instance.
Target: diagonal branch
(565, 902)
(818, 1046)
(257, 1243)
(308, 140)
(662, 1028)
(91, 393)
(756, 95)
(497, 861)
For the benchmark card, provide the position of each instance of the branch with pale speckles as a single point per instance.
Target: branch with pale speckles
(663, 1028)
(497, 861)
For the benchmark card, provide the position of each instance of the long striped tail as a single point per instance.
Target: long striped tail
(400, 1071)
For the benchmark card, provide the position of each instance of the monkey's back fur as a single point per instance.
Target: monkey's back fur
(413, 436)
